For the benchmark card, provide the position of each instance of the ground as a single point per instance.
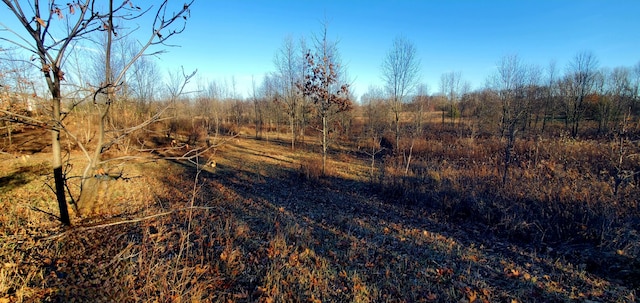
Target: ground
(260, 227)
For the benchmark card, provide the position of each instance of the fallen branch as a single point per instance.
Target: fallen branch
(85, 228)
(43, 211)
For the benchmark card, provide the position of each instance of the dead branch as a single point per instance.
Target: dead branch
(22, 119)
(98, 226)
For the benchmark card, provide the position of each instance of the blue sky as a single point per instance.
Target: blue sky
(239, 38)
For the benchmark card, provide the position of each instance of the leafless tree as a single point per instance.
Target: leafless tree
(619, 91)
(423, 103)
(579, 78)
(635, 89)
(18, 92)
(114, 78)
(451, 87)
(213, 96)
(551, 92)
(533, 94)
(420, 103)
(271, 91)
(145, 81)
(603, 105)
(473, 106)
(304, 104)
(258, 110)
(375, 112)
(40, 22)
(286, 62)
(509, 83)
(401, 74)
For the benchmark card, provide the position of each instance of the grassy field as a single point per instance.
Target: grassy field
(263, 226)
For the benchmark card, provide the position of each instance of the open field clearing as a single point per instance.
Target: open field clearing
(194, 151)
(260, 226)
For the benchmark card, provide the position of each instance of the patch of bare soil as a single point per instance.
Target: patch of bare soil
(256, 228)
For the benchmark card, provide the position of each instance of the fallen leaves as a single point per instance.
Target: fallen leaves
(445, 271)
(512, 273)
(270, 243)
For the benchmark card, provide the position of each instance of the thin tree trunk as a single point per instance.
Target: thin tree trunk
(293, 132)
(397, 130)
(9, 133)
(373, 159)
(58, 175)
(406, 170)
(324, 144)
(89, 186)
(508, 151)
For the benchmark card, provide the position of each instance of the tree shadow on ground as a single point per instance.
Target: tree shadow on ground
(360, 243)
(356, 231)
(24, 174)
(31, 141)
(398, 248)
(12, 181)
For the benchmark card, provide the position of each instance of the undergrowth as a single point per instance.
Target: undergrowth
(249, 231)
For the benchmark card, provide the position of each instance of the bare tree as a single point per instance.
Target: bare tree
(286, 62)
(603, 110)
(114, 78)
(321, 84)
(375, 112)
(145, 81)
(422, 102)
(532, 94)
(214, 95)
(304, 104)
(270, 92)
(18, 92)
(580, 78)
(635, 89)
(79, 19)
(400, 73)
(451, 87)
(509, 84)
(620, 91)
(416, 129)
(551, 92)
(258, 110)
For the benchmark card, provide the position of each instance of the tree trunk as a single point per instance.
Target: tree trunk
(373, 159)
(58, 175)
(324, 144)
(89, 196)
(293, 132)
(89, 186)
(508, 153)
(397, 130)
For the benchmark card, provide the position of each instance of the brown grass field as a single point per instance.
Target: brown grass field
(263, 226)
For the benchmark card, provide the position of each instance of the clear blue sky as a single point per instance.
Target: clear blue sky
(239, 38)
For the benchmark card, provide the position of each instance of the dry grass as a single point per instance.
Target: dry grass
(249, 231)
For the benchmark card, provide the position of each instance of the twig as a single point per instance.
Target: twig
(85, 228)
(44, 212)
